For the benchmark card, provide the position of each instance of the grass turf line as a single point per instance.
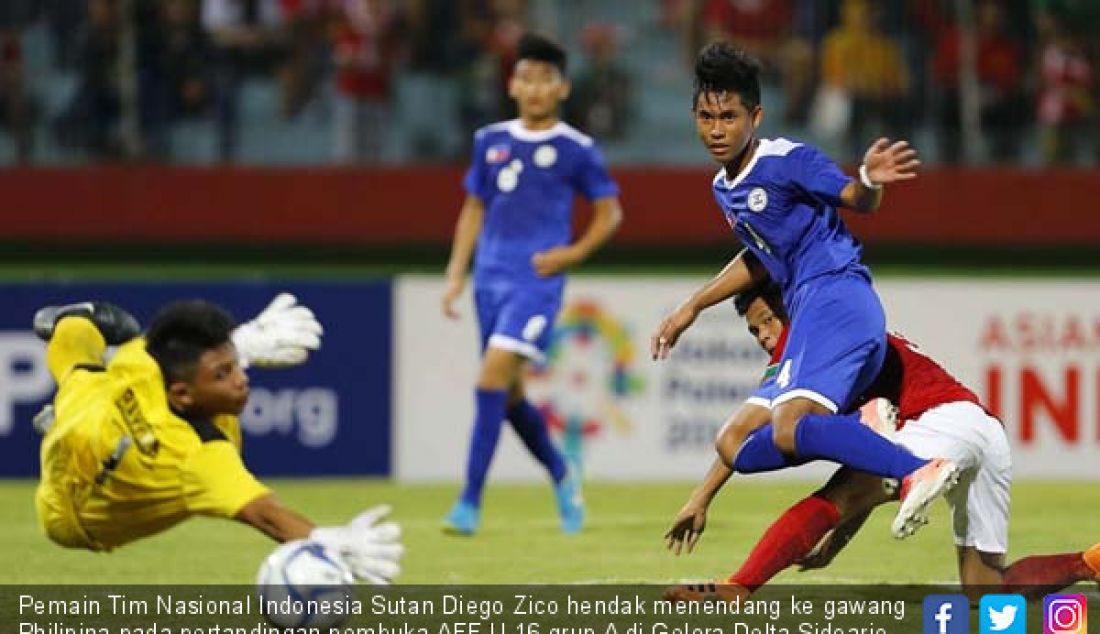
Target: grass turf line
(520, 541)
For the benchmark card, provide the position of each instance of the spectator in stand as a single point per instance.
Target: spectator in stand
(434, 34)
(307, 54)
(247, 37)
(1088, 20)
(91, 120)
(865, 67)
(685, 18)
(599, 103)
(63, 18)
(759, 27)
(15, 104)
(491, 30)
(174, 75)
(1000, 75)
(363, 49)
(765, 28)
(1065, 105)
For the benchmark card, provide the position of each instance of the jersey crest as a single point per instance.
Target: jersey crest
(757, 199)
(498, 153)
(546, 156)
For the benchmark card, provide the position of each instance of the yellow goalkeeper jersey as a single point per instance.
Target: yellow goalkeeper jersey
(119, 465)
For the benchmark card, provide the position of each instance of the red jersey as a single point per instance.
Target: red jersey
(750, 19)
(909, 379)
(1065, 80)
(914, 382)
(366, 69)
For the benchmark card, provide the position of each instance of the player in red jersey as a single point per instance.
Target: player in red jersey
(935, 415)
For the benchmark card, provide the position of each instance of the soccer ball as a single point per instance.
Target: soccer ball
(301, 585)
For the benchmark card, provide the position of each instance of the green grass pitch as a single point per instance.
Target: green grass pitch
(520, 541)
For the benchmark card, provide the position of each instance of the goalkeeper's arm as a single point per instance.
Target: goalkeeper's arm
(271, 518)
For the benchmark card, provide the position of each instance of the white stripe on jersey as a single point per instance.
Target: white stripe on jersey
(767, 147)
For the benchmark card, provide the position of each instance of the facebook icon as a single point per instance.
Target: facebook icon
(946, 614)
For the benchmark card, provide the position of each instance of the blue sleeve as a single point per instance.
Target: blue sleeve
(592, 179)
(474, 182)
(817, 175)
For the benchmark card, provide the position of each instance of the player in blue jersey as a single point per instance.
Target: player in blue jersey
(781, 199)
(518, 213)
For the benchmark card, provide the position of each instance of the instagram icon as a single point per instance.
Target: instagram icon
(1065, 614)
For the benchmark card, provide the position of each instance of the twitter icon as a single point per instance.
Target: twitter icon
(1003, 614)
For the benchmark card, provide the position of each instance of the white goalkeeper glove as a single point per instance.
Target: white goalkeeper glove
(370, 549)
(280, 336)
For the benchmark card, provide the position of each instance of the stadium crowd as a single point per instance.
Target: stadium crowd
(116, 79)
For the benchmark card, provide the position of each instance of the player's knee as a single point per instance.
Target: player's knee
(783, 433)
(493, 377)
(75, 340)
(488, 383)
(500, 370)
(729, 440)
(60, 527)
(73, 329)
(726, 448)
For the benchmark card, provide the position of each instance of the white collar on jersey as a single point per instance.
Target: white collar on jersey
(561, 128)
(767, 147)
(516, 129)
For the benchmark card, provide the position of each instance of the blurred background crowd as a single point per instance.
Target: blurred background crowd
(402, 81)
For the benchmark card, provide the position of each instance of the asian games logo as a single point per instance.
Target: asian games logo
(589, 372)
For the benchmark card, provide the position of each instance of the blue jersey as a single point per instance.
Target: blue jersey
(527, 181)
(783, 207)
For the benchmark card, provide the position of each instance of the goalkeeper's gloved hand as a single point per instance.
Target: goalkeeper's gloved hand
(370, 549)
(281, 335)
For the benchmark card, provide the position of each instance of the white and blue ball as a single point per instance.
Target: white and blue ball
(299, 575)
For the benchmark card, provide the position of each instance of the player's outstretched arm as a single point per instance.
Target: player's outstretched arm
(462, 249)
(747, 419)
(607, 214)
(742, 272)
(271, 518)
(691, 521)
(883, 163)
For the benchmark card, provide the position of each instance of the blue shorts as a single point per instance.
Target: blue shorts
(517, 319)
(836, 344)
(763, 395)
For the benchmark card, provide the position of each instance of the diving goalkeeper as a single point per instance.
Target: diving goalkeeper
(137, 445)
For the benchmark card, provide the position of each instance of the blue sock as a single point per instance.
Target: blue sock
(489, 418)
(759, 453)
(531, 427)
(845, 440)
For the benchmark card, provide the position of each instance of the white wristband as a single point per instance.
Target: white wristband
(866, 180)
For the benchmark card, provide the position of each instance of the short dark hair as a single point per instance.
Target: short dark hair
(182, 331)
(768, 291)
(541, 49)
(720, 67)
